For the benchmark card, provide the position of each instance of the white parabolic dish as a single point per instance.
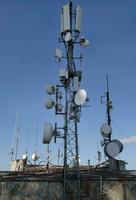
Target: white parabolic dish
(49, 103)
(50, 89)
(80, 97)
(48, 133)
(35, 157)
(105, 130)
(24, 156)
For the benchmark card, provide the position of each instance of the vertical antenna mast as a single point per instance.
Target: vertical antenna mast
(17, 131)
(72, 101)
(108, 102)
(17, 142)
(108, 105)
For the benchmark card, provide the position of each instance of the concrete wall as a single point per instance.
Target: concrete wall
(52, 190)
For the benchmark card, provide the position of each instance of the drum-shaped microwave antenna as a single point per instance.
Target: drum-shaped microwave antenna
(68, 37)
(49, 103)
(48, 133)
(106, 130)
(84, 42)
(35, 157)
(80, 97)
(50, 89)
(113, 148)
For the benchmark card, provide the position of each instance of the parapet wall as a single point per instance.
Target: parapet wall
(91, 188)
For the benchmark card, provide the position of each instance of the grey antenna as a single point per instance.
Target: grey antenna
(113, 148)
(58, 54)
(48, 133)
(84, 42)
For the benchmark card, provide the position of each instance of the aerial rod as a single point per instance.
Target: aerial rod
(108, 104)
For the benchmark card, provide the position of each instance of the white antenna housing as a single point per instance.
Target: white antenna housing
(78, 19)
(65, 18)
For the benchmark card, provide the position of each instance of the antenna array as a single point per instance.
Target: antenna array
(67, 97)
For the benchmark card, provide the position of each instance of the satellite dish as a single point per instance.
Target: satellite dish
(35, 157)
(113, 148)
(84, 42)
(50, 89)
(68, 37)
(24, 156)
(105, 130)
(58, 53)
(48, 133)
(49, 104)
(80, 97)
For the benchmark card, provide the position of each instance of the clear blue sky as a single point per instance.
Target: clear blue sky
(29, 32)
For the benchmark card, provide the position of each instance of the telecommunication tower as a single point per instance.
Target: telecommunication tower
(68, 97)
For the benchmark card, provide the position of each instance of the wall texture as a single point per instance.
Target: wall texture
(91, 189)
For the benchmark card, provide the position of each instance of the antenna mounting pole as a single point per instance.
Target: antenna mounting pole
(108, 105)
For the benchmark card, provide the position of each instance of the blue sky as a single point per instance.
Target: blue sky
(29, 32)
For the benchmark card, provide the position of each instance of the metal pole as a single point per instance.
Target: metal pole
(65, 147)
(108, 105)
(77, 161)
(17, 143)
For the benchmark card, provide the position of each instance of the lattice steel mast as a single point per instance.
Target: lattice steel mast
(70, 105)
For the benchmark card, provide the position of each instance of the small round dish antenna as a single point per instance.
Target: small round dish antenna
(24, 156)
(35, 157)
(50, 89)
(80, 97)
(84, 42)
(58, 53)
(48, 133)
(113, 148)
(68, 37)
(49, 103)
(105, 130)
